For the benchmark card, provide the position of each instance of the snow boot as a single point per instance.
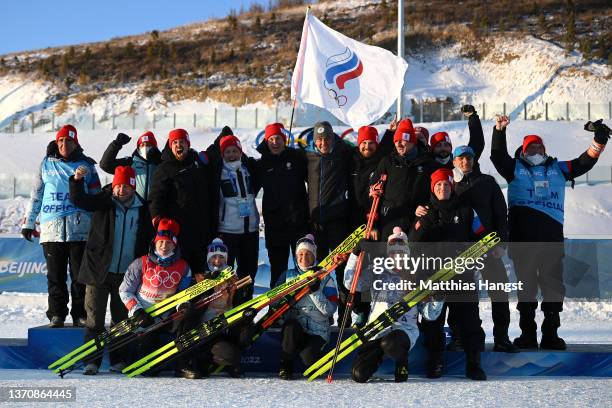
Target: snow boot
(79, 322)
(435, 365)
(504, 345)
(529, 337)
(401, 371)
(90, 369)
(286, 368)
(473, 370)
(550, 339)
(56, 322)
(189, 373)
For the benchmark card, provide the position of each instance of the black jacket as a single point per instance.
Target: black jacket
(485, 196)
(99, 247)
(527, 224)
(328, 182)
(446, 221)
(285, 202)
(407, 187)
(181, 190)
(362, 173)
(109, 160)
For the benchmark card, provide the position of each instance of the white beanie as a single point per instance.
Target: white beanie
(307, 243)
(400, 241)
(217, 247)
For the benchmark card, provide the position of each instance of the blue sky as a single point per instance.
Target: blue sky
(34, 24)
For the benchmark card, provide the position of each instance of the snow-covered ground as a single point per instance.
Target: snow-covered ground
(112, 390)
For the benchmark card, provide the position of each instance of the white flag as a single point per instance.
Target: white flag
(356, 82)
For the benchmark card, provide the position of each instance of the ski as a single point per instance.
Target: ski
(114, 343)
(208, 329)
(128, 325)
(396, 311)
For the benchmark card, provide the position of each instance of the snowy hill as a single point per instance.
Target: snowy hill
(220, 64)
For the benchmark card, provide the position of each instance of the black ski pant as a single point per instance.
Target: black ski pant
(466, 317)
(195, 258)
(540, 265)
(96, 299)
(297, 343)
(494, 271)
(244, 251)
(279, 259)
(327, 237)
(394, 345)
(58, 256)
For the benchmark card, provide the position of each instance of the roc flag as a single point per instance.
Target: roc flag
(356, 82)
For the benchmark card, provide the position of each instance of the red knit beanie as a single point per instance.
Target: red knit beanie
(367, 133)
(67, 131)
(176, 134)
(439, 137)
(167, 229)
(440, 175)
(227, 141)
(148, 137)
(275, 129)
(124, 175)
(405, 131)
(530, 139)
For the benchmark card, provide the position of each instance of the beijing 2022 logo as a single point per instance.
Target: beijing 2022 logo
(339, 69)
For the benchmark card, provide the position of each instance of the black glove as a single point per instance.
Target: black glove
(468, 109)
(123, 139)
(27, 233)
(602, 131)
(143, 317)
(314, 285)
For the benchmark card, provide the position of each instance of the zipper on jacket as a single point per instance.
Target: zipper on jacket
(122, 238)
(243, 195)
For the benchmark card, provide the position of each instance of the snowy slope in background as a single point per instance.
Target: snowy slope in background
(519, 69)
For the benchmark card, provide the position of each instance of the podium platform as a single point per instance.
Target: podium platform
(45, 345)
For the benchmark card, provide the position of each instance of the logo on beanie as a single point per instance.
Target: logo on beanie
(339, 69)
(71, 134)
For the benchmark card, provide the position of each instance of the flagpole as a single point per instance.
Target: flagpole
(304, 32)
(400, 50)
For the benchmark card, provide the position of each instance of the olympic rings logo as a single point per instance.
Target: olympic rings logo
(163, 278)
(341, 100)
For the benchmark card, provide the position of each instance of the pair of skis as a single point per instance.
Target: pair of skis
(396, 311)
(208, 330)
(94, 348)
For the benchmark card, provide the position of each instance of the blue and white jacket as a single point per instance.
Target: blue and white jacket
(313, 310)
(60, 219)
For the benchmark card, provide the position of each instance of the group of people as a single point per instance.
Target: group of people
(178, 216)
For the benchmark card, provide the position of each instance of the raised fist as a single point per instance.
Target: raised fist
(123, 139)
(501, 122)
(80, 172)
